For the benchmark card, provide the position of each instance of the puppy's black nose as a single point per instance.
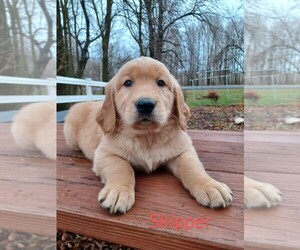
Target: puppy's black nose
(145, 105)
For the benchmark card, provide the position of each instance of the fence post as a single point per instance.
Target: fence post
(227, 88)
(89, 92)
(273, 87)
(51, 89)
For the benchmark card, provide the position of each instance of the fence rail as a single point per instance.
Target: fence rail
(88, 83)
(49, 95)
(50, 84)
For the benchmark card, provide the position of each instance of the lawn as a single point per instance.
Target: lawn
(276, 97)
(235, 97)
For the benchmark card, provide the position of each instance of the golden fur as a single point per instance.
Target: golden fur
(124, 143)
(260, 194)
(34, 128)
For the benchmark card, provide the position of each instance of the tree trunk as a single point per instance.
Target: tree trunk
(6, 60)
(151, 30)
(60, 67)
(160, 32)
(105, 41)
(43, 59)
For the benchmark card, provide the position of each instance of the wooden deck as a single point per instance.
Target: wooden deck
(27, 188)
(274, 157)
(158, 193)
(28, 195)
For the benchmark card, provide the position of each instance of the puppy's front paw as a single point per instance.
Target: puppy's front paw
(212, 194)
(116, 198)
(260, 195)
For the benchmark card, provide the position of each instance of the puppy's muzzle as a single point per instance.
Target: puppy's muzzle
(145, 106)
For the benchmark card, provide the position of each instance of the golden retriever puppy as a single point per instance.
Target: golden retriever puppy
(260, 194)
(142, 126)
(34, 128)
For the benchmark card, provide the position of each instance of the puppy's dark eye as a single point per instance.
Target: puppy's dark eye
(161, 83)
(128, 83)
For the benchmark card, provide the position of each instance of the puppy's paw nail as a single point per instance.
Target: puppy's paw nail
(119, 211)
(217, 195)
(118, 199)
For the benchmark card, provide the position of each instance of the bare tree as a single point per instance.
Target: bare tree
(155, 20)
(27, 37)
(6, 66)
(104, 22)
(80, 24)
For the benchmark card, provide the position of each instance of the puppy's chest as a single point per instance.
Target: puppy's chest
(148, 157)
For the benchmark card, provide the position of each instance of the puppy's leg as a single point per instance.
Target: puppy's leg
(259, 194)
(70, 135)
(206, 190)
(118, 176)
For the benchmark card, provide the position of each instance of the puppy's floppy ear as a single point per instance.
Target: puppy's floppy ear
(181, 109)
(107, 115)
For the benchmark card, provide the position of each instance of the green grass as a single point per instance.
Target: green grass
(278, 97)
(267, 97)
(235, 97)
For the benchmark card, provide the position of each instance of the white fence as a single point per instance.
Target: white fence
(89, 96)
(50, 93)
(88, 83)
(49, 83)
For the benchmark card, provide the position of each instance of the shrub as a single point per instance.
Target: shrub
(213, 96)
(252, 96)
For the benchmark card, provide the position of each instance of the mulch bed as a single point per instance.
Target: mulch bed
(256, 117)
(25, 241)
(216, 118)
(10, 240)
(68, 240)
(271, 117)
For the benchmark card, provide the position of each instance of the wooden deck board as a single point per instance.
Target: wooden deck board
(158, 193)
(27, 188)
(269, 156)
(274, 157)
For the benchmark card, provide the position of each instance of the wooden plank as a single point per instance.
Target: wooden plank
(275, 228)
(156, 193)
(273, 157)
(28, 195)
(278, 163)
(278, 227)
(8, 146)
(160, 193)
(278, 155)
(27, 188)
(271, 136)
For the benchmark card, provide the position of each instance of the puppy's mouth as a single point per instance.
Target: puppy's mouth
(145, 122)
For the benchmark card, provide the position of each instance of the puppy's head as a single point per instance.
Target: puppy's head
(143, 95)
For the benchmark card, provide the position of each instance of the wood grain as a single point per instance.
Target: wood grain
(274, 157)
(158, 193)
(27, 188)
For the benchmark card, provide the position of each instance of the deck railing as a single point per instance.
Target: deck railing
(11, 101)
(48, 94)
(88, 83)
